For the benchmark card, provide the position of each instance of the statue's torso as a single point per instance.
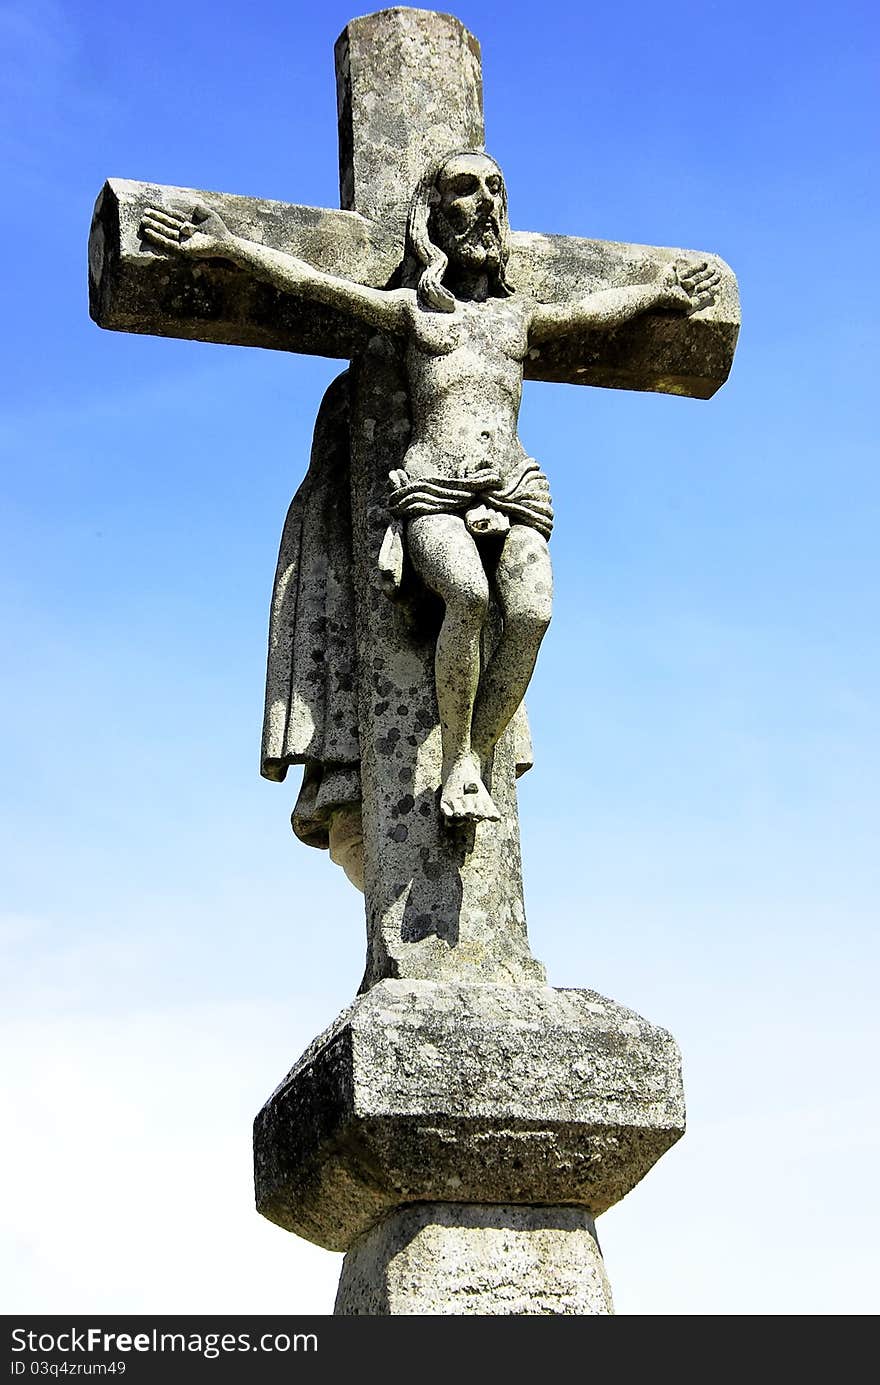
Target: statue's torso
(465, 374)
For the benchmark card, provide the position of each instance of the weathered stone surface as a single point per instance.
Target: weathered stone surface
(133, 289)
(428, 1092)
(433, 408)
(441, 902)
(659, 351)
(409, 86)
(452, 1259)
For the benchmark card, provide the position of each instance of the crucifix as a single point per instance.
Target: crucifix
(413, 586)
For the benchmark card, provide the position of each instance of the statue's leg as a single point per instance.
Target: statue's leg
(446, 558)
(524, 582)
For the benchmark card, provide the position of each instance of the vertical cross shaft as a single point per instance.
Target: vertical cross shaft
(409, 87)
(440, 904)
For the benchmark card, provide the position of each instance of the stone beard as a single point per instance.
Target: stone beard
(464, 233)
(478, 246)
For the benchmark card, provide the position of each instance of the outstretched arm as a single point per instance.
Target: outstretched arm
(205, 235)
(683, 288)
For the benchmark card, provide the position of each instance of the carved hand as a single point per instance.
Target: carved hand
(203, 235)
(689, 287)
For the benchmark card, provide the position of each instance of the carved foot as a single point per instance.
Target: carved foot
(464, 797)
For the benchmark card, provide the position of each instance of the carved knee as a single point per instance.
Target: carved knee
(469, 603)
(529, 624)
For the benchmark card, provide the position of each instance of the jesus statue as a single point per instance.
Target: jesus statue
(468, 506)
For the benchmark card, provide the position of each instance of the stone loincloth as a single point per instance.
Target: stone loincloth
(488, 506)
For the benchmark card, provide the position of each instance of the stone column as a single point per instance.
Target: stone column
(456, 1259)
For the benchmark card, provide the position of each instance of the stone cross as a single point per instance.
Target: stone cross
(444, 897)
(438, 904)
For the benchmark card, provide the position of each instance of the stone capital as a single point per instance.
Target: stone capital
(439, 1092)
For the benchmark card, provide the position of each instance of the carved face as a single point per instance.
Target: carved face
(467, 217)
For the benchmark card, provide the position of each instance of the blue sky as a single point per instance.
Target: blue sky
(700, 829)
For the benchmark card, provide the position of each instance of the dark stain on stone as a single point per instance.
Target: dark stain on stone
(420, 927)
(385, 744)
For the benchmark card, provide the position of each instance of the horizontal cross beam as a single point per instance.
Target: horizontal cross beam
(663, 352)
(133, 288)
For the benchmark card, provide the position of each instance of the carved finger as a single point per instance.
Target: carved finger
(708, 276)
(200, 212)
(169, 223)
(702, 300)
(693, 271)
(708, 291)
(166, 242)
(154, 231)
(169, 219)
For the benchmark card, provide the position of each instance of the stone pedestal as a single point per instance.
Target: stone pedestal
(485, 1123)
(456, 1259)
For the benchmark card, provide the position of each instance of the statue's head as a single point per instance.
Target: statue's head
(458, 218)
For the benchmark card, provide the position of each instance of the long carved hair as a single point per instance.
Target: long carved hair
(431, 262)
